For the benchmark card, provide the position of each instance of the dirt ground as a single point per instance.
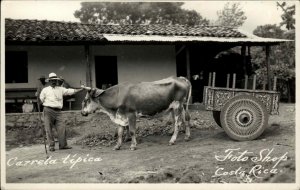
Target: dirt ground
(206, 158)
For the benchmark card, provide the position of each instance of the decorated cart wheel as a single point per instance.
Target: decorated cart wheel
(244, 118)
(216, 116)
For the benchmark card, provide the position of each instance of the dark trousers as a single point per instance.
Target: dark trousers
(53, 118)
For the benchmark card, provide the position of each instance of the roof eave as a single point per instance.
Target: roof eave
(178, 39)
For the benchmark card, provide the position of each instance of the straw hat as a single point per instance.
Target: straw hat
(53, 76)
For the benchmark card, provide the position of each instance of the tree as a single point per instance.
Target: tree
(282, 59)
(138, 13)
(288, 16)
(231, 15)
(269, 31)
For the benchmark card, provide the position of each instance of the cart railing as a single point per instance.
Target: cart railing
(216, 97)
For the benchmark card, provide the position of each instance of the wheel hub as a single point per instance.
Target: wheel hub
(244, 118)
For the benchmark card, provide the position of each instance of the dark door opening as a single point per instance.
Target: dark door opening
(181, 66)
(106, 70)
(196, 71)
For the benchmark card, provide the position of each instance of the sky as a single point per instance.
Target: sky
(257, 12)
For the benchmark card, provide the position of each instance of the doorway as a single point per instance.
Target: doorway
(106, 71)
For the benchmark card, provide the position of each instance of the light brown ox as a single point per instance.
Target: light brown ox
(123, 103)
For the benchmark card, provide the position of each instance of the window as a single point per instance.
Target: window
(16, 67)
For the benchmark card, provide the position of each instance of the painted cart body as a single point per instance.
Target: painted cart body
(216, 97)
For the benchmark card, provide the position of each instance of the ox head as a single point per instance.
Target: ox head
(91, 103)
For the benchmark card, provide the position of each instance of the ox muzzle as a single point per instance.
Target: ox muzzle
(84, 113)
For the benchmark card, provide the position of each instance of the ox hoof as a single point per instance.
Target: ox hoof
(127, 139)
(171, 143)
(116, 148)
(132, 148)
(187, 138)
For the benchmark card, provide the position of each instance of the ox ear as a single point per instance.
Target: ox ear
(96, 92)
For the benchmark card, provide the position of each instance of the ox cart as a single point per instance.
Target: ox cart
(242, 113)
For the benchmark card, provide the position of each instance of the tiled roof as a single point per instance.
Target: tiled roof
(35, 30)
(53, 31)
(43, 30)
(169, 30)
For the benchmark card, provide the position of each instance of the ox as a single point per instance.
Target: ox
(123, 103)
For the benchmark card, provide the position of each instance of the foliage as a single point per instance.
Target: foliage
(138, 13)
(288, 16)
(268, 31)
(282, 57)
(231, 15)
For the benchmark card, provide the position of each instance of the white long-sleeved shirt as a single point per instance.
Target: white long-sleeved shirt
(53, 97)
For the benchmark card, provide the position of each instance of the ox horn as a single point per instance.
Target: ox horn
(86, 88)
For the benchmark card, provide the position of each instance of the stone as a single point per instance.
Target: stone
(10, 124)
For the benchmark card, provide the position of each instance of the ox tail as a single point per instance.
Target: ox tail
(189, 93)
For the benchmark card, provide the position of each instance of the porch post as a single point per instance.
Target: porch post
(268, 66)
(88, 65)
(188, 64)
(249, 51)
(243, 53)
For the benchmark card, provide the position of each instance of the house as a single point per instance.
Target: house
(104, 55)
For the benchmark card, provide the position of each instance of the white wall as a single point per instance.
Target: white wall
(65, 61)
(135, 62)
(139, 62)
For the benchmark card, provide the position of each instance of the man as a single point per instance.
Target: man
(52, 99)
(63, 82)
